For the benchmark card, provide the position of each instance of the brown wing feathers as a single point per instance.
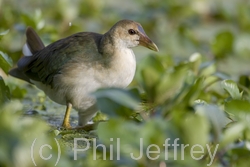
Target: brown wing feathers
(35, 44)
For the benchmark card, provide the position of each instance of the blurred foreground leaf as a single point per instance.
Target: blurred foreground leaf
(116, 101)
(170, 83)
(216, 116)
(21, 139)
(237, 106)
(3, 33)
(232, 134)
(19, 92)
(223, 44)
(194, 134)
(5, 62)
(232, 88)
(160, 83)
(4, 92)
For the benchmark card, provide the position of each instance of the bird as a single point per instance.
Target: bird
(70, 69)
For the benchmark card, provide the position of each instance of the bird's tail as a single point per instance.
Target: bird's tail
(33, 44)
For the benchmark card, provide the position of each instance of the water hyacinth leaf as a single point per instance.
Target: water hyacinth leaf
(232, 88)
(223, 44)
(153, 136)
(207, 69)
(115, 129)
(232, 133)
(4, 92)
(170, 83)
(18, 92)
(194, 134)
(194, 91)
(215, 115)
(4, 33)
(28, 20)
(244, 80)
(148, 74)
(152, 61)
(113, 109)
(237, 106)
(195, 60)
(124, 97)
(136, 135)
(5, 62)
(150, 79)
(17, 135)
(113, 101)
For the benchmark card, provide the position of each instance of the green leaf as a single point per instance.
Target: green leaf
(154, 131)
(207, 69)
(149, 73)
(232, 133)
(5, 62)
(28, 19)
(232, 88)
(194, 134)
(116, 101)
(170, 83)
(194, 91)
(237, 106)
(150, 79)
(244, 80)
(216, 116)
(118, 129)
(152, 61)
(4, 92)
(223, 44)
(19, 132)
(18, 92)
(195, 60)
(4, 32)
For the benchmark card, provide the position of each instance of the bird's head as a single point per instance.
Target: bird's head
(131, 34)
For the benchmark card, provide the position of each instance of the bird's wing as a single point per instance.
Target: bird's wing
(48, 62)
(33, 44)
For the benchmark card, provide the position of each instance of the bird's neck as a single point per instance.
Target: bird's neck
(106, 47)
(111, 50)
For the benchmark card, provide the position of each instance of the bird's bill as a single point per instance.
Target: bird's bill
(147, 42)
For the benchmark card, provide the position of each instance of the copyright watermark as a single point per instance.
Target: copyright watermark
(152, 151)
(41, 150)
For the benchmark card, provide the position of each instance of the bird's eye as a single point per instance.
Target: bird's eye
(131, 32)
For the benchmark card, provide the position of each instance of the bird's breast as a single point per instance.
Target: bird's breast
(122, 68)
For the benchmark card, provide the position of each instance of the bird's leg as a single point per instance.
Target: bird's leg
(66, 123)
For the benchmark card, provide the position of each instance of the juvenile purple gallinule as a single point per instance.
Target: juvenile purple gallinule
(69, 69)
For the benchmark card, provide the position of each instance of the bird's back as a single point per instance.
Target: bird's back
(46, 62)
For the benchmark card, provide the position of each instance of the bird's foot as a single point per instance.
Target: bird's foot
(88, 127)
(66, 125)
